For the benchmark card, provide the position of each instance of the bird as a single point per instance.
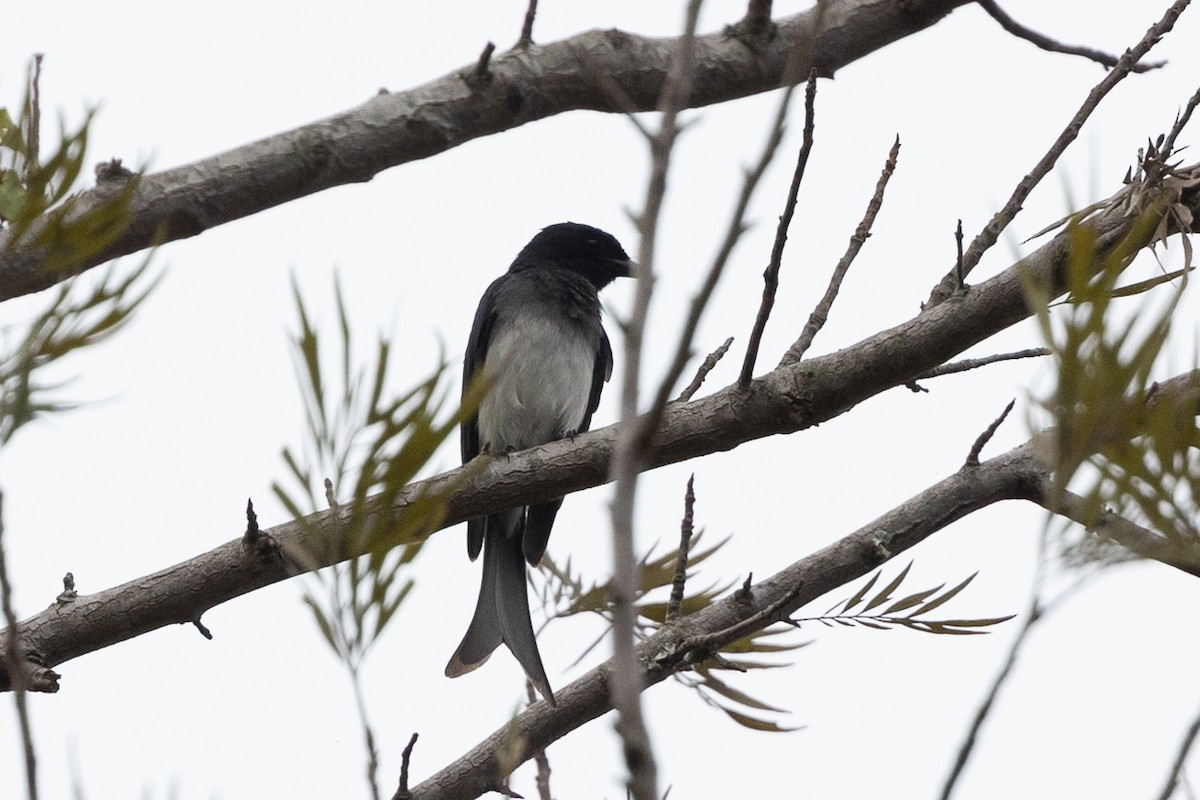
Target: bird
(539, 342)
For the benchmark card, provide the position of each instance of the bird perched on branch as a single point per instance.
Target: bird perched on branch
(539, 343)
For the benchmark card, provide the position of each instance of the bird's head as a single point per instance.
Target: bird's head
(587, 251)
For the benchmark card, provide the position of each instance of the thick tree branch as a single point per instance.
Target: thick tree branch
(1010, 476)
(524, 85)
(790, 398)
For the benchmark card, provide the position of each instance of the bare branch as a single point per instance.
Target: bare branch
(706, 367)
(820, 314)
(402, 792)
(975, 364)
(1009, 476)
(1046, 43)
(630, 454)
(771, 274)
(402, 126)
(33, 159)
(1181, 121)
(986, 436)
(681, 559)
(481, 66)
(790, 398)
(758, 18)
(991, 232)
(958, 263)
(702, 646)
(733, 233)
(1185, 747)
(527, 28)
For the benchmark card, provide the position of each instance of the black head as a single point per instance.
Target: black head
(585, 250)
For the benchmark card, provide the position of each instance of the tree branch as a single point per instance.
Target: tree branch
(790, 398)
(524, 85)
(1052, 45)
(991, 232)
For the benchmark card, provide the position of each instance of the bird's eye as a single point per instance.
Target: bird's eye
(593, 246)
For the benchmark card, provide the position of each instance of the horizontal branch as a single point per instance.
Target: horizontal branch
(608, 70)
(790, 398)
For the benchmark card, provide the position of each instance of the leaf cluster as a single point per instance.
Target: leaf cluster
(365, 446)
(907, 611)
(36, 194)
(1134, 450)
(80, 313)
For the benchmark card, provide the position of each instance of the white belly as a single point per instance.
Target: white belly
(541, 383)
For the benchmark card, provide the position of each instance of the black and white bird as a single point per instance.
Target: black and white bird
(538, 340)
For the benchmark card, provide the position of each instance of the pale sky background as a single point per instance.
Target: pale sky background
(192, 404)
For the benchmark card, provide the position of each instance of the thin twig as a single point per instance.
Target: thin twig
(18, 670)
(702, 645)
(630, 451)
(649, 421)
(975, 363)
(1039, 608)
(758, 18)
(402, 792)
(986, 436)
(958, 264)
(998, 223)
(967, 747)
(681, 559)
(368, 733)
(32, 158)
(709, 363)
(485, 58)
(527, 28)
(542, 781)
(1185, 747)
(820, 314)
(1054, 46)
(771, 274)
(1181, 121)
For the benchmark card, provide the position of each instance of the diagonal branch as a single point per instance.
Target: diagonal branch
(792, 397)
(991, 232)
(771, 275)
(1018, 474)
(524, 85)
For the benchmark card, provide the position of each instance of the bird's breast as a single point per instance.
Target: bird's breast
(541, 371)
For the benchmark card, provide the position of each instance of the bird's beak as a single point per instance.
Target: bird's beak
(624, 269)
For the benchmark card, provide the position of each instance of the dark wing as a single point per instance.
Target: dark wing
(601, 372)
(477, 347)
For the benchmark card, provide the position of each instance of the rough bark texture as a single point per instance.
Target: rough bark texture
(607, 71)
(789, 398)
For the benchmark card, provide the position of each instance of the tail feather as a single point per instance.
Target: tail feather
(502, 610)
(538, 523)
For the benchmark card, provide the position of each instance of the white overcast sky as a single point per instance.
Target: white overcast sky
(192, 404)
